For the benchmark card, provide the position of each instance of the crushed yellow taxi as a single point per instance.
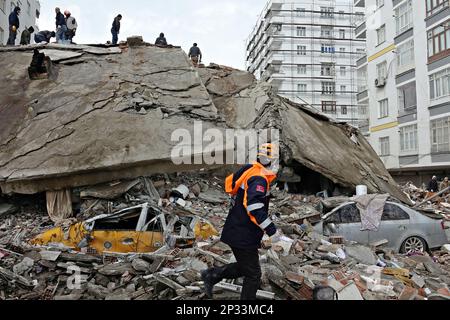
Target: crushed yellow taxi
(139, 229)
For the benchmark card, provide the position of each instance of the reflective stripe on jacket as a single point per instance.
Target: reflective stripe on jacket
(249, 217)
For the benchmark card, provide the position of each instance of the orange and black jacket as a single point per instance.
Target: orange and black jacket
(249, 217)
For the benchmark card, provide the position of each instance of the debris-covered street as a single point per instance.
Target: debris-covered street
(93, 206)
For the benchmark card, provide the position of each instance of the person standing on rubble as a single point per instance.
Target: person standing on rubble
(115, 30)
(61, 26)
(433, 186)
(161, 40)
(71, 24)
(195, 54)
(25, 38)
(247, 222)
(444, 185)
(14, 24)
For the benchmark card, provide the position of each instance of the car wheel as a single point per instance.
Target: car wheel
(414, 244)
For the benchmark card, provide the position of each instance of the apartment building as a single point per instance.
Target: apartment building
(407, 68)
(30, 12)
(307, 50)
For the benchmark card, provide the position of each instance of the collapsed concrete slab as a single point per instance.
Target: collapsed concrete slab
(106, 116)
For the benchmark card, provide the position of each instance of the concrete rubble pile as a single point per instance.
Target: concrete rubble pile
(433, 203)
(300, 262)
(97, 133)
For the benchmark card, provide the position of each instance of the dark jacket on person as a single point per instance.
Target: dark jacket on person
(60, 19)
(433, 186)
(194, 52)
(249, 217)
(44, 34)
(161, 41)
(116, 25)
(14, 19)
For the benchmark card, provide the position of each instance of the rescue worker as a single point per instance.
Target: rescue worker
(247, 222)
(14, 24)
(44, 36)
(61, 26)
(115, 30)
(161, 40)
(195, 54)
(25, 38)
(71, 24)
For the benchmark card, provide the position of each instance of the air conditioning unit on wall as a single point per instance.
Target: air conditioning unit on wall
(380, 82)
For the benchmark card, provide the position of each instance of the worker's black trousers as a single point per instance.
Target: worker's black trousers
(247, 266)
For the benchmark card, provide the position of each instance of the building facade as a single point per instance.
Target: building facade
(307, 49)
(407, 68)
(30, 12)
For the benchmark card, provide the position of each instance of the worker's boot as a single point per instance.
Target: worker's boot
(211, 277)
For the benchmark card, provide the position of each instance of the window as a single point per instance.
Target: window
(326, 12)
(349, 214)
(439, 40)
(301, 69)
(342, 52)
(326, 32)
(380, 3)
(385, 147)
(382, 70)
(343, 89)
(440, 135)
(342, 33)
(381, 35)
(343, 71)
(408, 139)
(302, 87)
(328, 106)
(301, 32)
(393, 212)
(403, 17)
(328, 87)
(301, 50)
(301, 12)
(383, 108)
(327, 69)
(407, 97)
(440, 84)
(344, 110)
(405, 54)
(328, 48)
(434, 6)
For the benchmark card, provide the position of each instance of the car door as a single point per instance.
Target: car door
(347, 220)
(394, 225)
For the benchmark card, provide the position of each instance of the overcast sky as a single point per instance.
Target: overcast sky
(220, 27)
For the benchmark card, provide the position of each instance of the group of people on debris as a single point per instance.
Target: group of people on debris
(434, 186)
(195, 53)
(66, 27)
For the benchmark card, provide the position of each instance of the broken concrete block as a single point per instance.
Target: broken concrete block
(419, 282)
(135, 41)
(140, 265)
(350, 292)
(24, 266)
(362, 254)
(50, 255)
